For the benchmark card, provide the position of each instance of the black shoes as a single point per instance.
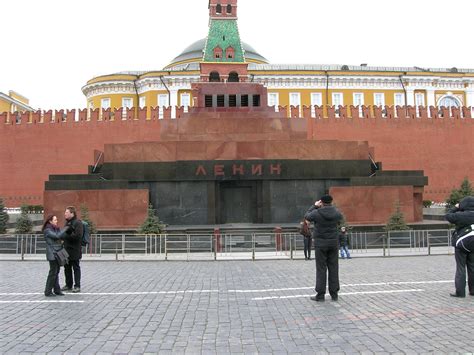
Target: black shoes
(456, 295)
(50, 294)
(59, 293)
(320, 298)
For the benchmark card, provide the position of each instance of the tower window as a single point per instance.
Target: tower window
(229, 9)
(214, 77)
(232, 100)
(233, 77)
(229, 53)
(208, 100)
(256, 100)
(217, 52)
(218, 9)
(244, 100)
(220, 100)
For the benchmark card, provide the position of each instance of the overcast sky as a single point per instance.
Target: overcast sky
(54, 46)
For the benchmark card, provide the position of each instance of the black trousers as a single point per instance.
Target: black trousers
(307, 248)
(327, 267)
(464, 260)
(52, 282)
(68, 269)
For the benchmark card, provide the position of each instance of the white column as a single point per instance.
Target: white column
(173, 102)
(410, 97)
(470, 97)
(430, 98)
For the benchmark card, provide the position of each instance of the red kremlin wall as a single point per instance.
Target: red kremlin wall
(442, 147)
(41, 144)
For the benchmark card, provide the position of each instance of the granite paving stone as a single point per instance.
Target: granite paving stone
(391, 305)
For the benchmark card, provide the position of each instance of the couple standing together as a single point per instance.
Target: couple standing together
(69, 238)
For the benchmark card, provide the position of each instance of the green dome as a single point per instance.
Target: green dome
(195, 51)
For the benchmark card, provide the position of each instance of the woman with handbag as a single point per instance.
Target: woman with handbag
(53, 236)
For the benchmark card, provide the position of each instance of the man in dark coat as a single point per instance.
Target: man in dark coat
(73, 245)
(325, 236)
(462, 216)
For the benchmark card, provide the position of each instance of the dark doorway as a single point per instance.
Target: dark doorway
(238, 202)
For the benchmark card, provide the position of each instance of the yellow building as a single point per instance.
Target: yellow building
(297, 85)
(14, 102)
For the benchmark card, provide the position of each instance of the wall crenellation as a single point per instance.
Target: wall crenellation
(165, 113)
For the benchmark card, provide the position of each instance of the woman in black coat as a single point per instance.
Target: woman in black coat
(53, 236)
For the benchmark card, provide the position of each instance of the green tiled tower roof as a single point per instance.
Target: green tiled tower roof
(223, 33)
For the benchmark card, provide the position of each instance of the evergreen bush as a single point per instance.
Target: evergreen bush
(152, 224)
(458, 194)
(24, 224)
(396, 221)
(86, 218)
(3, 218)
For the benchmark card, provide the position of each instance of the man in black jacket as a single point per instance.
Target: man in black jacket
(462, 215)
(325, 235)
(73, 245)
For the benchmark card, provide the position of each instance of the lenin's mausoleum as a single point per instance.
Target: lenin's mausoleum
(222, 136)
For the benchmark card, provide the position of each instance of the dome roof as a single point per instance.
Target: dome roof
(195, 51)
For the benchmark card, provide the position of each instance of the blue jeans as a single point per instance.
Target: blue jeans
(345, 252)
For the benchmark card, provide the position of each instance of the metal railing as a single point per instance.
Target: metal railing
(250, 246)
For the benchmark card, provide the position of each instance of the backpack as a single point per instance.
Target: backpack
(85, 234)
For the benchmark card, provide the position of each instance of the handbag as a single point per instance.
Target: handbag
(62, 257)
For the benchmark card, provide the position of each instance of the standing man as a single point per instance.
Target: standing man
(326, 218)
(73, 245)
(462, 215)
(344, 244)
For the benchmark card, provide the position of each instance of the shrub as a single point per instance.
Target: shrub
(458, 194)
(3, 217)
(85, 217)
(427, 203)
(396, 222)
(152, 224)
(24, 224)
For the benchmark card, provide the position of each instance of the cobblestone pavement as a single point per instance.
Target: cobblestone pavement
(391, 305)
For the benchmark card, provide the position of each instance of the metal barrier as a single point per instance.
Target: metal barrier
(251, 246)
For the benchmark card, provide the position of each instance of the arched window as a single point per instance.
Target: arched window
(217, 52)
(449, 101)
(229, 53)
(233, 77)
(229, 9)
(218, 9)
(214, 77)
